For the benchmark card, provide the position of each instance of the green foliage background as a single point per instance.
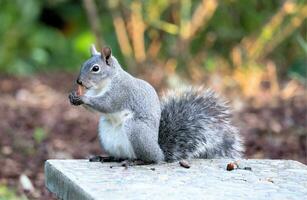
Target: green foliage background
(32, 41)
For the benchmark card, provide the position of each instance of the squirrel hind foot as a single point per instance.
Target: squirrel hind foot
(98, 158)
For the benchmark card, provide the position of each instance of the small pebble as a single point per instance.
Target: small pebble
(231, 166)
(185, 164)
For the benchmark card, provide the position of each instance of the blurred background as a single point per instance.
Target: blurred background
(253, 52)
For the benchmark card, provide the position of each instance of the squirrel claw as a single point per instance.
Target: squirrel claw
(98, 158)
(127, 163)
(75, 99)
(95, 159)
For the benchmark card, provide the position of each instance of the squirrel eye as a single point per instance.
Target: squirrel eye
(95, 68)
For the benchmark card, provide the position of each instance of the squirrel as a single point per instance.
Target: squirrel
(135, 125)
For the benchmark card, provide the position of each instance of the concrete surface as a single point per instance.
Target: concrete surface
(206, 179)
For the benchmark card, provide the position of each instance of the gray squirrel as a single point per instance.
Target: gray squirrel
(134, 125)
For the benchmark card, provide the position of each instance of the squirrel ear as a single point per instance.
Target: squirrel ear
(93, 50)
(106, 54)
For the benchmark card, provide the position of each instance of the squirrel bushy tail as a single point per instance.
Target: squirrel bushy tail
(196, 123)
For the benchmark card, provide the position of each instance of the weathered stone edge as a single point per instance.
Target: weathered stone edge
(60, 185)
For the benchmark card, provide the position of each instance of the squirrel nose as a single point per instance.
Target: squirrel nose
(79, 81)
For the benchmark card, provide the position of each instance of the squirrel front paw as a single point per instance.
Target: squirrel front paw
(75, 99)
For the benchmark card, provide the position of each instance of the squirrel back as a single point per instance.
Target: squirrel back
(196, 123)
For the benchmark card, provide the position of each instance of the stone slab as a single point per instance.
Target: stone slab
(206, 179)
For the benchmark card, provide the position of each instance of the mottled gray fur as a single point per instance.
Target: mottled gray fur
(194, 124)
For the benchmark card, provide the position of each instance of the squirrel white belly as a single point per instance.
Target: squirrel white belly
(112, 136)
(194, 123)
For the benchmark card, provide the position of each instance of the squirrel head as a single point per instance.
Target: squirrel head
(97, 70)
